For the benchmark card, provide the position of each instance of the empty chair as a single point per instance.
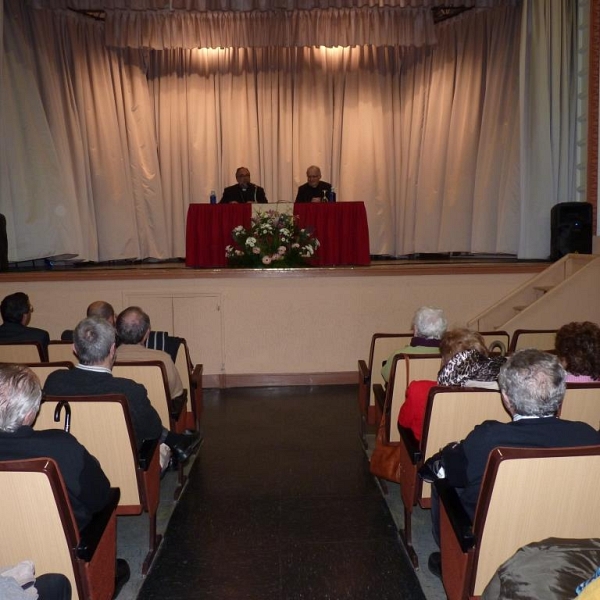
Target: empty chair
(496, 341)
(103, 425)
(526, 495)
(191, 377)
(369, 374)
(540, 339)
(37, 523)
(21, 352)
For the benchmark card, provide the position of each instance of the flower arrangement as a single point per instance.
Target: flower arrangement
(272, 240)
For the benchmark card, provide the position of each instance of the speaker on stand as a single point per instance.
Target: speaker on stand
(571, 229)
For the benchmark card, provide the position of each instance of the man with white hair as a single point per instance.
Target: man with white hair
(532, 385)
(20, 395)
(314, 190)
(428, 326)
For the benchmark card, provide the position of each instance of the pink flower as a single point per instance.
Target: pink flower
(281, 249)
(266, 260)
(256, 250)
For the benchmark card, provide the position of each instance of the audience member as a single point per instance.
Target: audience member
(133, 329)
(100, 309)
(465, 360)
(532, 385)
(20, 396)
(94, 345)
(314, 190)
(16, 313)
(428, 326)
(243, 190)
(578, 349)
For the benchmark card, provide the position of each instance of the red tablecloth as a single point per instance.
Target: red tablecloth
(341, 228)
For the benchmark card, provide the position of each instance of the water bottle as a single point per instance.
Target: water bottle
(332, 197)
(213, 197)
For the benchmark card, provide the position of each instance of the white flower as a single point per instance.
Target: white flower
(251, 241)
(238, 229)
(239, 253)
(295, 245)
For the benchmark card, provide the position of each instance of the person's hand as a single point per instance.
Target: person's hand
(317, 199)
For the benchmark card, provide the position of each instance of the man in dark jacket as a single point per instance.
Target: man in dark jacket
(16, 313)
(243, 191)
(94, 344)
(532, 385)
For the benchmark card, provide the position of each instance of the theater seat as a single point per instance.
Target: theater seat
(21, 352)
(103, 425)
(37, 523)
(527, 495)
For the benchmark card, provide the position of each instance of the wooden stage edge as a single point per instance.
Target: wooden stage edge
(166, 271)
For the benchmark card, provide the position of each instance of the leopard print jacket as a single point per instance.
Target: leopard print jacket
(470, 365)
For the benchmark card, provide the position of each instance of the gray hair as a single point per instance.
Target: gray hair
(20, 394)
(534, 383)
(93, 338)
(132, 325)
(429, 323)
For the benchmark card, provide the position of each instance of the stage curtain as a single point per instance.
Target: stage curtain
(388, 26)
(548, 101)
(107, 147)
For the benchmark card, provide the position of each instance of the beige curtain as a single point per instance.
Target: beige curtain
(109, 146)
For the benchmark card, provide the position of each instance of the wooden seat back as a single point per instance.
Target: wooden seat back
(42, 370)
(369, 372)
(582, 403)
(527, 494)
(38, 524)
(59, 351)
(451, 414)
(191, 378)
(153, 376)
(409, 367)
(491, 337)
(103, 425)
(21, 352)
(541, 339)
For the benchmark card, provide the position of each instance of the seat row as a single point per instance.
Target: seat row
(103, 425)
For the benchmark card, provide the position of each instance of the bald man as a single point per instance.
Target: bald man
(314, 190)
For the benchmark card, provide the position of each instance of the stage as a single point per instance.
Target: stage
(273, 326)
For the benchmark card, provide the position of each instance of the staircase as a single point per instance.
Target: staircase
(568, 290)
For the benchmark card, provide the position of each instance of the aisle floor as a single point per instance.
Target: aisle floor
(280, 504)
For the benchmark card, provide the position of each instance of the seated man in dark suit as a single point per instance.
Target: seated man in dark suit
(94, 344)
(314, 190)
(20, 396)
(243, 190)
(16, 313)
(532, 384)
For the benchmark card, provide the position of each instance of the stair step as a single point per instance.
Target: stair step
(520, 308)
(544, 288)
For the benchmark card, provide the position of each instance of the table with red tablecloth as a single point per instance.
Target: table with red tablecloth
(340, 227)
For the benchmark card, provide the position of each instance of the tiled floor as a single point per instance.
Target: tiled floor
(280, 505)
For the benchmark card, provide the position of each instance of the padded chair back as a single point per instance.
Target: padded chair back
(451, 414)
(37, 523)
(529, 495)
(21, 352)
(59, 351)
(541, 339)
(184, 366)
(382, 345)
(492, 338)
(103, 425)
(152, 375)
(409, 367)
(42, 370)
(582, 403)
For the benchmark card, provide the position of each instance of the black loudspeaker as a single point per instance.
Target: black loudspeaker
(571, 229)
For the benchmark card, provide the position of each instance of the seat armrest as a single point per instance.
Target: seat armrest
(364, 373)
(146, 452)
(196, 376)
(379, 394)
(459, 519)
(177, 405)
(410, 443)
(92, 533)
